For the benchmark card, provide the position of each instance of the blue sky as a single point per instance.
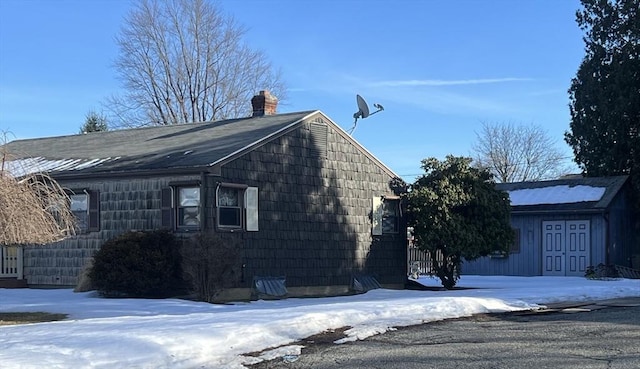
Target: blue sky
(439, 68)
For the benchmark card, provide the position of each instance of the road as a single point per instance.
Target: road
(581, 336)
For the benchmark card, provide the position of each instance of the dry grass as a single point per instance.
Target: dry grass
(28, 318)
(34, 208)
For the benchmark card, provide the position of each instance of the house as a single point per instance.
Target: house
(300, 195)
(564, 226)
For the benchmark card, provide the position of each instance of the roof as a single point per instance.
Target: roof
(570, 194)
(192, 145)
(187, 147)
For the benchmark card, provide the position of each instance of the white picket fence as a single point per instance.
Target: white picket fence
(419, 262)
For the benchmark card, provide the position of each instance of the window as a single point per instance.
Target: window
(229, 207)
(85, 206)
(237, 207)
(80, 209)
(188, 207)
(181, 207)
(385, 215)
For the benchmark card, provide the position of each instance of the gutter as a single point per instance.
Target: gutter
(547, 212)
(128, 174)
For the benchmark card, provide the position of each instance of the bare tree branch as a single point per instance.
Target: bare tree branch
(516, 153)
(185, 61)
(34, 209)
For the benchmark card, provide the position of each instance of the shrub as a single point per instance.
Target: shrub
(601, 272)
(211, 264)
(138, 264)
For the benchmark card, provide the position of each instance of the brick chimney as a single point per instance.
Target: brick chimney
(264, 104)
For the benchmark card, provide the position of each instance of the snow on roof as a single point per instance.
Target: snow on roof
(562, 194)
(26, 166)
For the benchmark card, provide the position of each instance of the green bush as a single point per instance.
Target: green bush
(138, 264)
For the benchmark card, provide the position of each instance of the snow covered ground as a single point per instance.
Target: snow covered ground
(171, 333)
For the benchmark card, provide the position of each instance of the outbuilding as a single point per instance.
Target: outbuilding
(564, 226)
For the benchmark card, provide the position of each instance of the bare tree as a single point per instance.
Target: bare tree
(185, 61)
(515, 153)
(34, 209)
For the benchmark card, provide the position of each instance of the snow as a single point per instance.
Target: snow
(561, 194)
(26, 166)
(173, 333)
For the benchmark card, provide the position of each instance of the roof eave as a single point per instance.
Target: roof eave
(130, 173)
(558, 211)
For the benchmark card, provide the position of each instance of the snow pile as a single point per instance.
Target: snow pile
(171, 333)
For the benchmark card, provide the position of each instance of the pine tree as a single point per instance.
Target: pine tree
(94, 122)
(605, 93)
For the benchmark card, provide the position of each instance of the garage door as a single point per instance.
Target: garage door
(565, 247)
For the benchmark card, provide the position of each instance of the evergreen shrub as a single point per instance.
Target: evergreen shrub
(138, 264)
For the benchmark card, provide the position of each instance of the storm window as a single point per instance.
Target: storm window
(237, 207)
(188, 207)
(85, 206)
(385, 215)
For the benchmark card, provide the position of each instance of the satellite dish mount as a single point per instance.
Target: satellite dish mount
(363, 111)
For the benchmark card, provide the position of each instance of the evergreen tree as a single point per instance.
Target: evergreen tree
(94, 122)
(456, 212)
(605, 93)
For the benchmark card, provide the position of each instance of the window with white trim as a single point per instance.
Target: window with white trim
(85, 206)
(229, 207)
(237, 207)
(80, 209)
(188, 207)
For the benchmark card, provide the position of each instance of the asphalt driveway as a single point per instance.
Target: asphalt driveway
(603, 334)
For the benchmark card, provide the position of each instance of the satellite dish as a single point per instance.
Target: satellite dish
(363, 108)
(363, 111)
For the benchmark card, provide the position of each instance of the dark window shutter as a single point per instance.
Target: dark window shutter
(167, 209)
(94, 211)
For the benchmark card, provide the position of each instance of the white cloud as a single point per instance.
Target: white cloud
(440, 82)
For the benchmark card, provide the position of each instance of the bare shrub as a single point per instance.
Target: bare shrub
(85, 284)
(211, 264)
(34, 208)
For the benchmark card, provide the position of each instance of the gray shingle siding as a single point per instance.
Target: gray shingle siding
(315, 224)
(315, 203)
(125, 204)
